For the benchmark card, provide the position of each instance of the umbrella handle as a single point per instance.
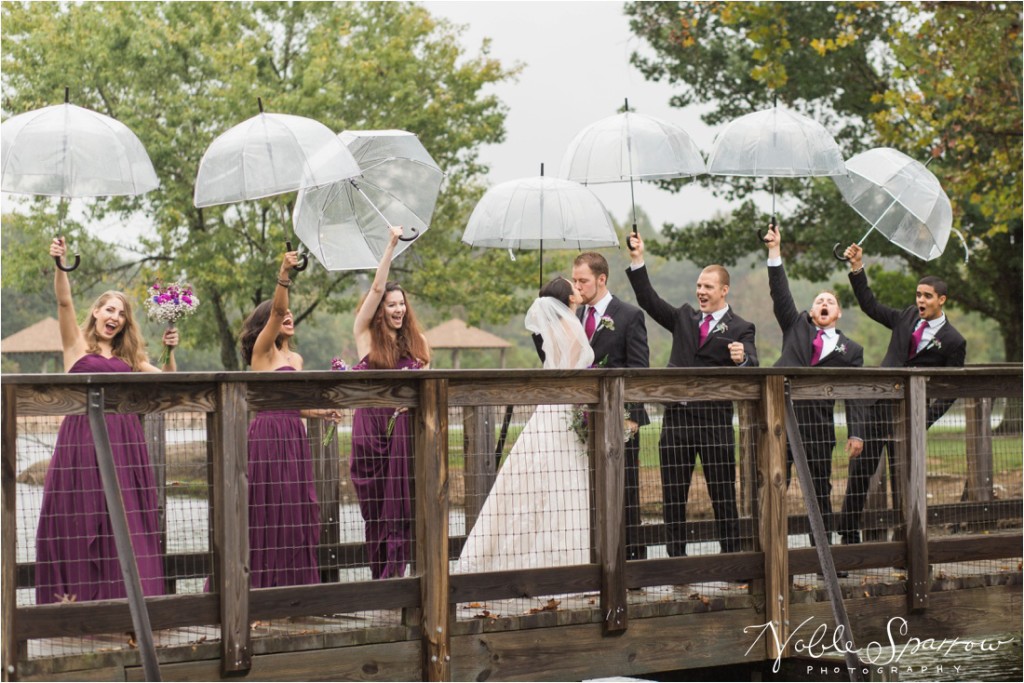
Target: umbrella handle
(415, 234)
(771, 224)
(837, 253)
(305, 258)
(67, 269)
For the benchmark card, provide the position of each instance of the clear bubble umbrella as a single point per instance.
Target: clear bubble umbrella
(901, 199)
(346, 225)
(271, 154)
(775, 143)
(630, 147)
(68, 151)
(539, 212)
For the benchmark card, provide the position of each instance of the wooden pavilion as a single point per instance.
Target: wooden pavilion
(40, 341)
(457, 335)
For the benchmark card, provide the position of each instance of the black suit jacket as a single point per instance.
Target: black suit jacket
(625, 346)
(798, 333)
(947, 349)
(684, 324)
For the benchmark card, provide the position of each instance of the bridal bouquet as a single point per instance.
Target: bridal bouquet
(579, 423)
(168, 304)
(337, 365)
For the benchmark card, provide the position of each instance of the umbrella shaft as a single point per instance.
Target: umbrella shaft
(370, 202)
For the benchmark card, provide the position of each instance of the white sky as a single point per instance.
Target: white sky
(576, 71)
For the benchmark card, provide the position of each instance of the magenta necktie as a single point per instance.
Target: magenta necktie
(915, 339)
(591, 323)
(704, 327)
(816, 345)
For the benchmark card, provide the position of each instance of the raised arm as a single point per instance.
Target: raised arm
(786, 313)
(71, 339)
(660, 310)
(364, 316)
(878, 312)
(265, 347)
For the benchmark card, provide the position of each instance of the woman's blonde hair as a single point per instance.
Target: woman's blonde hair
(129, 344)
(408, 341)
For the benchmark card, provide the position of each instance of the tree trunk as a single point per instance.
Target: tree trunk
(1012, 423)
(228, 353)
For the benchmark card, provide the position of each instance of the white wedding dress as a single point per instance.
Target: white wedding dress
(538, 511)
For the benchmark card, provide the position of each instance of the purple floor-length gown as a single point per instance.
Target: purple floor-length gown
(76, 557)
(284, 515)
(381, 469)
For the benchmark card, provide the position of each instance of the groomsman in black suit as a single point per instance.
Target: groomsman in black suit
(921, 337)
(810, 339)
(710, 337)
(618, 335)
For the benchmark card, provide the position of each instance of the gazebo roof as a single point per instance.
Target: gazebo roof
(42, 337)
(456, 334)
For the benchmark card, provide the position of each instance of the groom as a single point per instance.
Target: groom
(618, 335)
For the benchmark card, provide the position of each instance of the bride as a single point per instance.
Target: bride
(538, 511)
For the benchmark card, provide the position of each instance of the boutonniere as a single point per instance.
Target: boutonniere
(841, 348)
(606, 323)
(936, 343)
(719, 328)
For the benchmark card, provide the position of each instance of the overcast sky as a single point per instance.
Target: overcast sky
(576, 70)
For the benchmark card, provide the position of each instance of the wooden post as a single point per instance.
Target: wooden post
(610, 499)
(9, 533)
(915, 512)
(229, 436)
(153, 426)
(978, 436)
(431, 467)
(327, 480)
(480, 468)
(772, 520)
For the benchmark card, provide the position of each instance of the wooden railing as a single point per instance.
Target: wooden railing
(426, 596)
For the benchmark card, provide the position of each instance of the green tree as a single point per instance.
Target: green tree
(938, 80)
(181, 73)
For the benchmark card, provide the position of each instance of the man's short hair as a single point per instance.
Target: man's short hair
(936, 283)
(598, 264)
(723, 274)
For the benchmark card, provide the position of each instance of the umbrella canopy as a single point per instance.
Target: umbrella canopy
(631, 146)
(900, 198)
(271, 154)
(533, 213)
(345, 224)
(777, 143)
(68, 151)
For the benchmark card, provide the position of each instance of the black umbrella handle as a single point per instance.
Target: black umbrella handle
(67, 269)
(771, 226)
(305, 258)
(415, 234)
(839, 253)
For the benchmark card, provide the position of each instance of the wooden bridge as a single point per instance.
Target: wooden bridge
(947, 560)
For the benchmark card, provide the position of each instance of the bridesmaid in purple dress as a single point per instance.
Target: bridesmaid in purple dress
(284, 515)
(387, 338)
(76, 557)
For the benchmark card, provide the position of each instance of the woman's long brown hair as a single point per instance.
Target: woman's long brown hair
(408, 342)
(128, 345)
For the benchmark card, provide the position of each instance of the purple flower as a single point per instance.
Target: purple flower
(338, 365)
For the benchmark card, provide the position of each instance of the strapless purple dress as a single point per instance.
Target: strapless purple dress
(76, 557)
(284, 515)
(381, 469)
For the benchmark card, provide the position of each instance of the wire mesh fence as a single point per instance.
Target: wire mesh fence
(336, 503)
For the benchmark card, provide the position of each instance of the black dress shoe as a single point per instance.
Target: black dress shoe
(839, 574)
